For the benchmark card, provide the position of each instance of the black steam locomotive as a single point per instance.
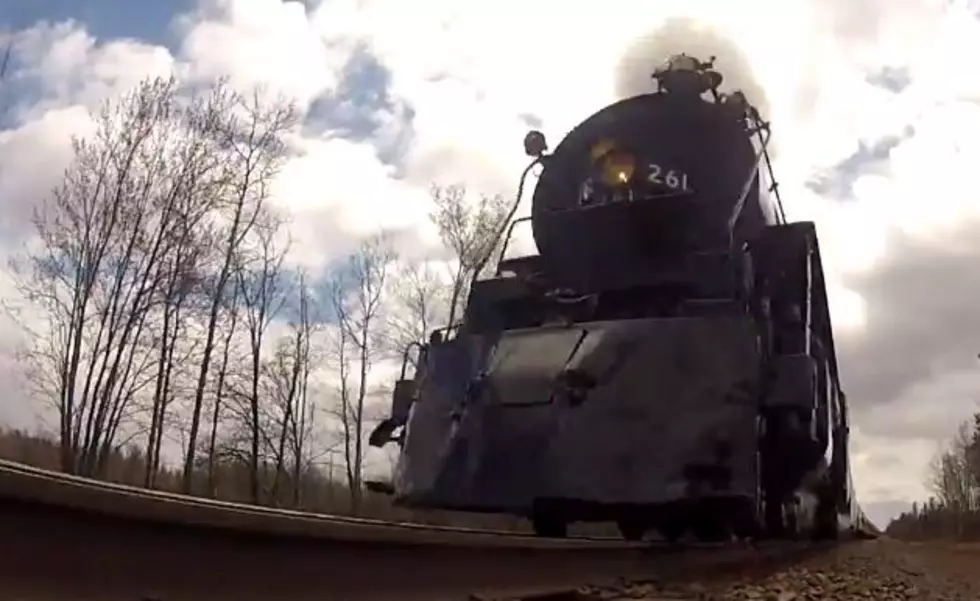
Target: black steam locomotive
(666, 361)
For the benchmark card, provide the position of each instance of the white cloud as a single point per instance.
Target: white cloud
(473, 74)
(72, 67)
(338, 191)
(31, 159)
(260, 42)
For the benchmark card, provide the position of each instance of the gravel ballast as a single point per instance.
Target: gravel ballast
(882, 570)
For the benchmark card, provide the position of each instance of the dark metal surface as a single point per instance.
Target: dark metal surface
(596, 247)
(652, 409)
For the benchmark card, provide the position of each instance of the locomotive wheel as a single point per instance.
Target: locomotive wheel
(744, 530)
(825, 522)
(792, 522)
(671, 531)
(710, 529)
(632, 529)
(550, 527)
(548, 522)
(745, 525)
(777, 523)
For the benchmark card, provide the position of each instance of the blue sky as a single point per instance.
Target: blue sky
(149, 20)
(353, 110)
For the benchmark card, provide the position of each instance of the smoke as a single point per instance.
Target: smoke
(685, 35)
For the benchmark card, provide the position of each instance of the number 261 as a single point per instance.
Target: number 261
(673, 179)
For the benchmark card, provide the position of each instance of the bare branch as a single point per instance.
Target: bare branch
(468, 229)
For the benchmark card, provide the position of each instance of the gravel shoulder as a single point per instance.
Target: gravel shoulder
(884, 570)
(957, 565)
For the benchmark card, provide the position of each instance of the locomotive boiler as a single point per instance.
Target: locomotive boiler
(665, 361)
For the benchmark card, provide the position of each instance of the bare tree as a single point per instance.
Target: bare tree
(291, 373)
(261, 285)
(182, 271)
(302, 423)
(5, 61)
(106, 241)
(8, 50)
(469, 231)
(254, 152)
(972, 451)
(357, 296)
(430, 294)
(231, 309)
(419, 302)
(952, 480)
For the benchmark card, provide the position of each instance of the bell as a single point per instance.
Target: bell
(535, 143)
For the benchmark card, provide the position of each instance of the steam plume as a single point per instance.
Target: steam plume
(678, 35)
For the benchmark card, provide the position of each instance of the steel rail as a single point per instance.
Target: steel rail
(63, 537)
(35, 485)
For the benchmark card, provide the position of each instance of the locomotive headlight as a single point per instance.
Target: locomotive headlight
(617, 168)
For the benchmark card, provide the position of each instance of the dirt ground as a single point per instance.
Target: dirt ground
(884, 570)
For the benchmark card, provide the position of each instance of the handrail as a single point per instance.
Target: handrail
(740, 203)
(408, 347)
(510, 216)
(773, 184)
(507, 237)
(808, 317)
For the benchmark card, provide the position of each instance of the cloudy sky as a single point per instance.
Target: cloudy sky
(875, 105)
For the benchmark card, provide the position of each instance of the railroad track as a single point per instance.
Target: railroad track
(64, 537)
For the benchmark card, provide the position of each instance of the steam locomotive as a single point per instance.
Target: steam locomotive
(666, 361)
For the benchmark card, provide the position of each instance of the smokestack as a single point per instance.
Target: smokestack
(676, 35)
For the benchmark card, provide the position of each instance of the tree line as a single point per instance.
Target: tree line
(954, 478)
(166, 317)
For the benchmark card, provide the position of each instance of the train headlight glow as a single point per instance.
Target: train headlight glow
(617, 168)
